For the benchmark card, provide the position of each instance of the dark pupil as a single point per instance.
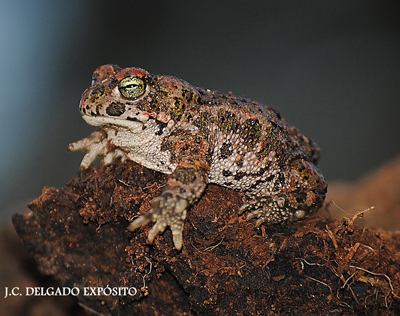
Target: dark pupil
(131, 86)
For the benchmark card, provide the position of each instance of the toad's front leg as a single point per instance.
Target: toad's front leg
(184, 187)
(97, 145)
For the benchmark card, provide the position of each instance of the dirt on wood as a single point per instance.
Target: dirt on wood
(319, 266)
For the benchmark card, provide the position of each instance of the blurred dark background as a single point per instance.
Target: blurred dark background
(331, 67)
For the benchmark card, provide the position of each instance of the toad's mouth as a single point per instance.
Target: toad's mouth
(133, 124)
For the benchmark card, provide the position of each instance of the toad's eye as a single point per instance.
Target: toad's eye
(131, 87)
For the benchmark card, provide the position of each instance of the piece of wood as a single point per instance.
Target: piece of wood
(227, 266)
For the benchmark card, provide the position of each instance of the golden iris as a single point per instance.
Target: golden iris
(131, 87)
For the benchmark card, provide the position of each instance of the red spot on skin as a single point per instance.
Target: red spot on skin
(163, 118)
(81, 104)
(134, 72)
(238, 158)
(83, 98)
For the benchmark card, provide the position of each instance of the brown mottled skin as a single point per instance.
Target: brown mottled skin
(200, 136)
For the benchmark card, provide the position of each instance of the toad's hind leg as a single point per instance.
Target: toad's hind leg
(185, 186)
(302, 194)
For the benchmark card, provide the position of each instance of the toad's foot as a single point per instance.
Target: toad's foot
(274, 210)
(166, 210)
(96, 145)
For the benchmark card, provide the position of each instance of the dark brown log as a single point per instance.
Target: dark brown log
(227, 266)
